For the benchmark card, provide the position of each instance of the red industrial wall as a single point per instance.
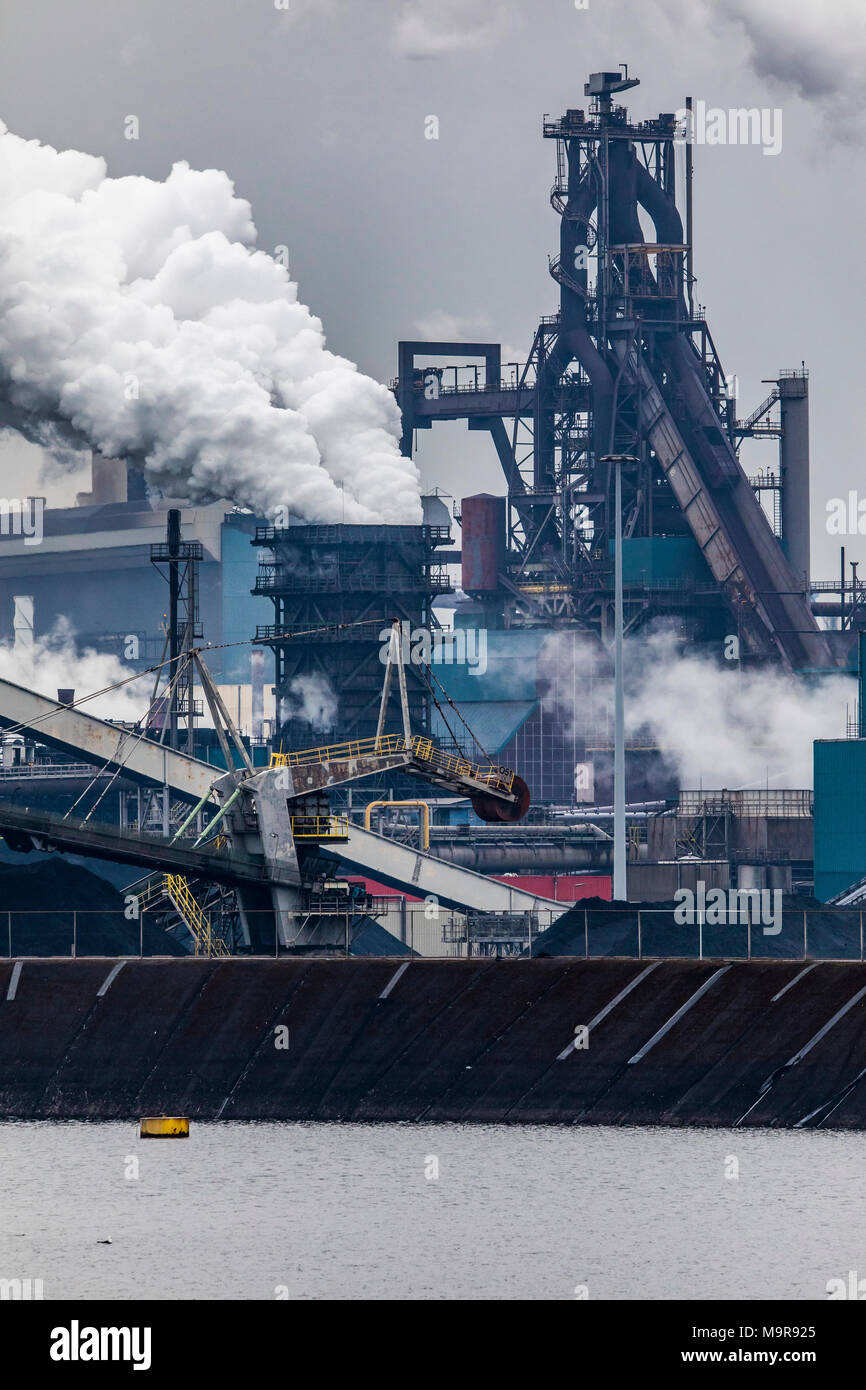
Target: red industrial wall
(562, 888)
(483, 525)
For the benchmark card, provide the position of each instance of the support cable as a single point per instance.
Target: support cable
(150, 670)
(426, 667)
(134, 736)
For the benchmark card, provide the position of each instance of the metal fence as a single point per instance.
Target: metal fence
(830, 934)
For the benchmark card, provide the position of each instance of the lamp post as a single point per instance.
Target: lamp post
(620, 887)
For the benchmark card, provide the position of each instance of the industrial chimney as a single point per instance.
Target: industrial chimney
(22, 620)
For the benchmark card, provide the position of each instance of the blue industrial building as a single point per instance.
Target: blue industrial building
(92, 568)
(840, 815)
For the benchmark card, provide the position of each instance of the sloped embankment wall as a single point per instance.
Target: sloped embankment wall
(669, 1042)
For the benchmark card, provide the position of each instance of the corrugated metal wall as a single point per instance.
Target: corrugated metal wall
(840, 815)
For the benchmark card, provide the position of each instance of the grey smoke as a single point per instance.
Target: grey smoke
(424, 30)
(816, 50)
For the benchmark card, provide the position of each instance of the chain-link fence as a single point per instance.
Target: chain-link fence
(427, 930)
(785, 933)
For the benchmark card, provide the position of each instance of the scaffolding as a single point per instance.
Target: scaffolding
(336, 590)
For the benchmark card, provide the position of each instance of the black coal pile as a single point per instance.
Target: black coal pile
(372, 939)
(37, 902)
(808, 928)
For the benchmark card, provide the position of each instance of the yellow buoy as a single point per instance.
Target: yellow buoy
(164, 1127)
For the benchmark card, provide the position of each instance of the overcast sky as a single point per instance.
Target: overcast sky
(317, 112)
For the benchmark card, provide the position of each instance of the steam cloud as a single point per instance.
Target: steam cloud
(818, 49)
(138, 318)
(310, 697)
(53, 663)
(718, 726)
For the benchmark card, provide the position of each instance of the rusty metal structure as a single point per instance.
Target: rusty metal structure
(627, 366)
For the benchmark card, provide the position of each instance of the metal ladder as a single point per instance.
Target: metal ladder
(176, 888)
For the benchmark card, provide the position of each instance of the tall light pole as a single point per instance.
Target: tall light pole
(620, 888)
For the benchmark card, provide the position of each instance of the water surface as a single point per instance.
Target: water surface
(257, 1211)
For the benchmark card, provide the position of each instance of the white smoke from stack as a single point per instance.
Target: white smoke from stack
(310, 697)
(425, 31)
(137, 318)
(51, 663)
(717, 726)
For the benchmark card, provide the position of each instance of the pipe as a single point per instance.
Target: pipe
(191, 817)
(619, 840)
(257, 682)
(593, 812)
(666, 220)
(174, 534)
(690, 259)
(503, 859)
(794, 469)
(211, 825)
(827, 608)
(574, 340)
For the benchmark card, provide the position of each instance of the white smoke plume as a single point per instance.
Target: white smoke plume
(310, 697)
(53, 663)
(718, 726)
(725, 728)
(137, 318)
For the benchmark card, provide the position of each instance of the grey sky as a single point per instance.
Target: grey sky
(317, 113)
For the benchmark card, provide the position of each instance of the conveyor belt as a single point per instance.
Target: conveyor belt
(727, 521)
(96, 741)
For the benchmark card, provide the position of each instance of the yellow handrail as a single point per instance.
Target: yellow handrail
(501, 778)
(320, 827)
(334, 752)
(177, 890)
(420, 748)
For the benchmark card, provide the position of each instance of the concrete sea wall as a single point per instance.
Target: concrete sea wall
(670, 1042)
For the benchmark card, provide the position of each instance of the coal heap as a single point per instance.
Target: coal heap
(42, 897)
(611, 929)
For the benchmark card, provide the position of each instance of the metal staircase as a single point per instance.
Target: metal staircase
(176, 889)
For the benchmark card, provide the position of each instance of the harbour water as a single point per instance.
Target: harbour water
(314, 1211)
